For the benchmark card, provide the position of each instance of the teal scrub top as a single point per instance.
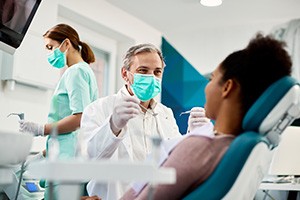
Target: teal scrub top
(75, 90)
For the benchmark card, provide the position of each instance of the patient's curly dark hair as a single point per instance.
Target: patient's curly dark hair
(256, 67)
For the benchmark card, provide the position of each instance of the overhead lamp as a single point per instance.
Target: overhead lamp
(211, 3)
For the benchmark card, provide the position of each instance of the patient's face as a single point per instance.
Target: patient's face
(213, 92)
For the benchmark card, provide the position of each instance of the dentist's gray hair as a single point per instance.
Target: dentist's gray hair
(140, 48)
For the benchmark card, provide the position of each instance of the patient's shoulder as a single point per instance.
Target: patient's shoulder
(204, 146)
(224, 140)
(192, 144)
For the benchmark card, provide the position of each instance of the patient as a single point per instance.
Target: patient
(234, 86)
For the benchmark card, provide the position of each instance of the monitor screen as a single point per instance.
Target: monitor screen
(15, 18)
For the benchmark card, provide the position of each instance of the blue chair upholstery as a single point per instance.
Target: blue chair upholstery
(248, 157)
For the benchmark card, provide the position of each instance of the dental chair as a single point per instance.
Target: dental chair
(247, 160)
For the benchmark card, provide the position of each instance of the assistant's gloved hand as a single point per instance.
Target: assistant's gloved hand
(31, 127)
(197, 118)
(34, 158)
(125, 110)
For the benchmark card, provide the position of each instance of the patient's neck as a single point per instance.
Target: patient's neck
(229, 122)
(229, 125)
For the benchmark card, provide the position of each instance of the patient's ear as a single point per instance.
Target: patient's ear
(229, 87)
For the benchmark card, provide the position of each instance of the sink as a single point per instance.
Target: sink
(14, 147)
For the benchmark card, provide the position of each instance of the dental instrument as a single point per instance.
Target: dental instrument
(185, 112)
(143, 107)
(21, 115)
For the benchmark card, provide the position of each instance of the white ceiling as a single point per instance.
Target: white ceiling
(169, 16)
(205, 35)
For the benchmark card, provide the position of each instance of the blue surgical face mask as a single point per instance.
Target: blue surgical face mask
(146, 86)
(57, 58)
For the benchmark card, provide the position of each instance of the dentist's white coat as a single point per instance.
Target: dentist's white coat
(133, 142)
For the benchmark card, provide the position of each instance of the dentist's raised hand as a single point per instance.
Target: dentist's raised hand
(126, 109)
(197, 118)
(31, 127)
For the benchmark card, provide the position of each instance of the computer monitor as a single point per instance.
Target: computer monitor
(15, 18)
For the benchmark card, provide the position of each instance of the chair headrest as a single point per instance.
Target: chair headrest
(276, 108)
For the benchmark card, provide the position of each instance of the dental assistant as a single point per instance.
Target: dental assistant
(76, 89)
(120, 126)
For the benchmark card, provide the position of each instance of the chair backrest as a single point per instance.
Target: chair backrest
(248, 157)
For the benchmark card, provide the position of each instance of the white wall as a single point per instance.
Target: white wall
(112, 22)
(107, 20)
(206, 48)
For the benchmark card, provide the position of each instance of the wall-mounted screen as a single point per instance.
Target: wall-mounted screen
(15, 18)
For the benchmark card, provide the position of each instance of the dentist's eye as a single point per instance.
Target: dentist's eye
(142, 71)
(157, 73)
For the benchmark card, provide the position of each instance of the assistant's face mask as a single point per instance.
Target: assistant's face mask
(146, 86)
(57, 58)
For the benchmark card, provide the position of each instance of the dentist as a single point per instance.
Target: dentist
(120, 126)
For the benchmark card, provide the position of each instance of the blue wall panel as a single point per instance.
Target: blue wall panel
(182, 85)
